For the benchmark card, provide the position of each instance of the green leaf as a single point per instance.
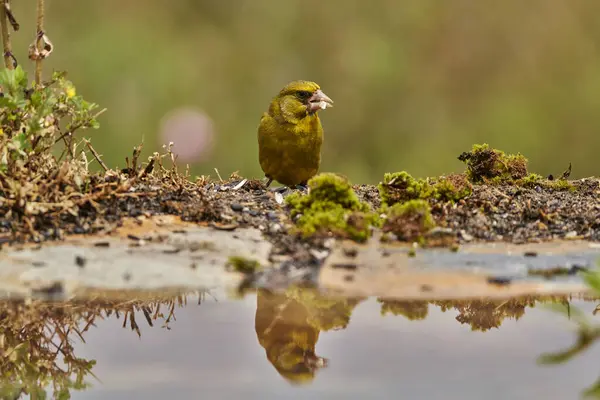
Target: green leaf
(573, 313)
(63, 394)
(592, 279)
(13, 80)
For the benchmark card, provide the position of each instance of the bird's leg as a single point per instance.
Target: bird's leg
(302, 186)
(269, 180)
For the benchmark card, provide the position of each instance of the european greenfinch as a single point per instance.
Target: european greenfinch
(290, 134)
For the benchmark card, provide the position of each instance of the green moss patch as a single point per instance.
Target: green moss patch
(452, 187)
(533, 180)
(244, 265)
(331, 206)
(400, 187)
(409, 221)
(487, 165)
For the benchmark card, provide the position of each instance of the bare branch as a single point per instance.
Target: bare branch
(40, 41)
(8, 59)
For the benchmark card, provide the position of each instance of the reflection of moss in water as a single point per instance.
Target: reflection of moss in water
(288, 325)
(482, 315)
(36, 341)
(413, 310)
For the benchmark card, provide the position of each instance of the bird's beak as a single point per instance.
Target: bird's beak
(319, 101)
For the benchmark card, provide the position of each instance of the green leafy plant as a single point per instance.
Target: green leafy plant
(35, 118)
(587, 333)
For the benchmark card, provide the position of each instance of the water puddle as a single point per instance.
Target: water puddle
(294, 344)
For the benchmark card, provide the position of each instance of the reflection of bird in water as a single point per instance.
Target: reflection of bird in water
(288, 325)
(283, 330)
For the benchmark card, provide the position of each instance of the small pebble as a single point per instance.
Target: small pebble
(351, 252)
(348, 266)
(530, 254)
(328, 243)
(254, 213)
(172, 251)
(275, 228)
(272, 216)
(52, 289)
(465, 236)
(236, 207)
(224, 227)
(80, 261)
(500, 281)
(319, 254)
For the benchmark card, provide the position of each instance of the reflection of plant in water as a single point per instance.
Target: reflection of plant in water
(413, 309)
(587, 334)
(36, 340)
(288, 325)
(483, 315)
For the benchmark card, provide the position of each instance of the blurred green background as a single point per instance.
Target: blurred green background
(415, 83)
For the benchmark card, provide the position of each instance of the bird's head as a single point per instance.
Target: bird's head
(299, 99)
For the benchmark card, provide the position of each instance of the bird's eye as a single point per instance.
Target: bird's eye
(303, 94)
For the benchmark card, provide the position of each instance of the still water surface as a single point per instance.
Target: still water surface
(303, 346)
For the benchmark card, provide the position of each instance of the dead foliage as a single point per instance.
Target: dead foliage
(36, 339)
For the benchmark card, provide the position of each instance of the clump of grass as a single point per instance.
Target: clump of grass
(331, 206)
(487, 165)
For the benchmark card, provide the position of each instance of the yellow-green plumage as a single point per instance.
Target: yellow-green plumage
(290, 134)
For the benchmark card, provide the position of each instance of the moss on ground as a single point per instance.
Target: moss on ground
(452, 187)
(331, 206)
(533, 180)
(243, 264)
(409, 221)
(400, 187)
(487, 165)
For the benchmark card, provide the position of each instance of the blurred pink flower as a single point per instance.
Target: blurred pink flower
(192, 133)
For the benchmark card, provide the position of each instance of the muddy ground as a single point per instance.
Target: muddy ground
(240, 217)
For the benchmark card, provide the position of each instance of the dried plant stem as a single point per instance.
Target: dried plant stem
(8, 62)
(96, 155)
(39, 43)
